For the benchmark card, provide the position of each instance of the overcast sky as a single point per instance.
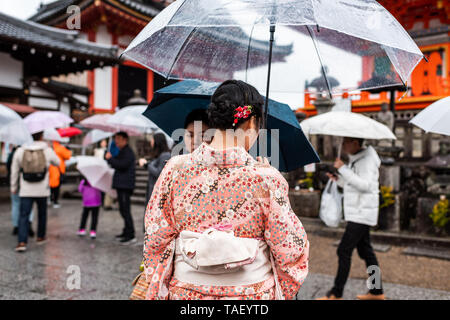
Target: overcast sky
(22, 9)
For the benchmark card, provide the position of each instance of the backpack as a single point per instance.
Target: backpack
(34, 165)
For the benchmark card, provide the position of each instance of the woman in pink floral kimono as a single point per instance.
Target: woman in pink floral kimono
(219, 224)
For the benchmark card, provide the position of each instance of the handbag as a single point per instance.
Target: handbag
(140, 285)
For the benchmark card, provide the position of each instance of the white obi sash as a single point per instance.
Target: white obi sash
(218, 258)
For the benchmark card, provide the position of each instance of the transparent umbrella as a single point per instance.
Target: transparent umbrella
(101, 122)
(40, 120)
(12, 127)
(351, 41)
(131, 118)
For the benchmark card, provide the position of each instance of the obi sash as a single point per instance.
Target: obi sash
(218, 258)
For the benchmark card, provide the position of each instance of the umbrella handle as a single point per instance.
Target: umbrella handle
(340, 148)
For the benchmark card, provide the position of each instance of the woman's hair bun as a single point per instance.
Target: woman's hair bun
(227, 97)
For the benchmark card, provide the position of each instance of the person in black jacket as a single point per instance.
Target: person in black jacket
(123, 182)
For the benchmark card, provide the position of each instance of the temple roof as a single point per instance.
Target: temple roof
(54, 12)
(33, 42)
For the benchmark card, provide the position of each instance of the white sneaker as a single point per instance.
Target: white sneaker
(56, 206)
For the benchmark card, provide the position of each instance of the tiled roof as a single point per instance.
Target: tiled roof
(59, 7)
(18, 31)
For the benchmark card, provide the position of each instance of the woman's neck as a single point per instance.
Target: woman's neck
(225, 139)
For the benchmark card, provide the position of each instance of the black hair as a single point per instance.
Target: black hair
(122, 134)
(160, 145)
(37, 136)
(196, 115)
(360, 141)
(227, 97)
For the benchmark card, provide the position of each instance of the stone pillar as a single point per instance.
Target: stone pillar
(324, 105)
(408, 141)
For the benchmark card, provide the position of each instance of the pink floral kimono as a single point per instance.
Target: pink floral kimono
(219, 226)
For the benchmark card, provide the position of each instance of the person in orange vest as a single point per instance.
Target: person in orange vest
(56, 172)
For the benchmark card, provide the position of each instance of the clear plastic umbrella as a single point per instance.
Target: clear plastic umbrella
(345, 43)
(131, 118)
(51, 134)
(435, 118)
(40, 120)
(12, 127)
(97, 172)
(95, 136)
(101, 122)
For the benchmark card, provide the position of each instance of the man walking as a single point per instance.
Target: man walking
(123, 182)
(30, 166)
(361, 199)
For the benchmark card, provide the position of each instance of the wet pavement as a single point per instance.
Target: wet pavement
(106, 268)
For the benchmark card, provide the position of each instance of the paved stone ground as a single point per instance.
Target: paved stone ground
(108, 268)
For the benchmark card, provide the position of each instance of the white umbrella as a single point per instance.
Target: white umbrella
(101, 122)
(96, 135)
(346, 124)
(435, 118)
(132, 118)
(51, 134)
(97, 172)
(40, 120)
(12, 127)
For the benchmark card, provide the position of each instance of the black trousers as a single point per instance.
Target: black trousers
(124, 199)
(355, 236)
(94, 217)
(54, 194)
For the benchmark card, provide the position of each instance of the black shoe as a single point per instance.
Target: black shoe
(120, 236)
(127, 240)
(30, 231)
(15, 231)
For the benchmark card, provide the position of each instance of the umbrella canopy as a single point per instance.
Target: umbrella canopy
(95, 136)
(171, 105)
(98, 121)
(204, 39)
(51, 134)
(435, 118)
(69, 132)
(101, 122)
(346, 124)
(131, 118)
(12, 127)
(40, 120)
(97, 172)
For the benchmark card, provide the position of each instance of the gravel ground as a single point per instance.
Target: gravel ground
(395, 266)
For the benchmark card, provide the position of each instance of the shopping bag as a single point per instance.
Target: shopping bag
(331, 205)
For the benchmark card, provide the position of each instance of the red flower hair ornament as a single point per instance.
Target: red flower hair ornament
(242, 113)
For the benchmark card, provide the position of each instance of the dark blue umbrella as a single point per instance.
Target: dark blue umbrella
(171, 105)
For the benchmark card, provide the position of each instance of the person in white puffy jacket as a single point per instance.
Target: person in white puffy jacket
(361, 200)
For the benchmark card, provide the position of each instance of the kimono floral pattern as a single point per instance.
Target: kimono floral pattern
(208, 188)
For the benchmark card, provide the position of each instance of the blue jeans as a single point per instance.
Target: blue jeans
(15, 210)
(25, 210)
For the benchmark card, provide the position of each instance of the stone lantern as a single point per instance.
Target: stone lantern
(136, 99)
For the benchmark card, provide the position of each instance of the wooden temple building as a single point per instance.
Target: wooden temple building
(31, 54)
(117, 22)
(428, 23)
